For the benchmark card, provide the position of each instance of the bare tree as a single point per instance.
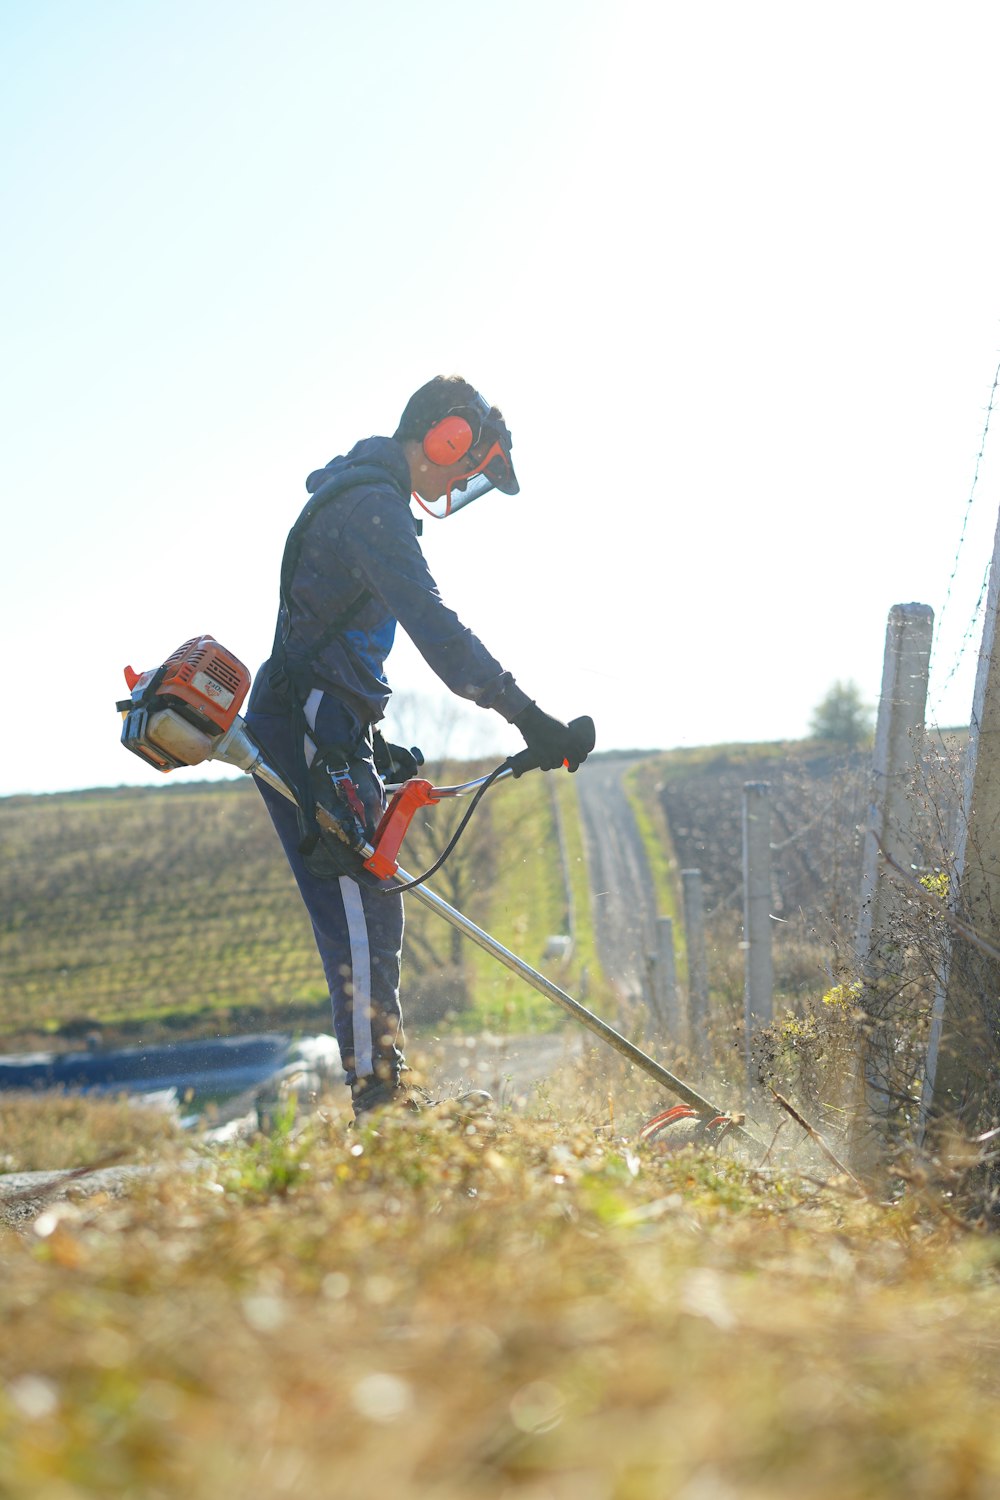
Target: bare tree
(842, 716)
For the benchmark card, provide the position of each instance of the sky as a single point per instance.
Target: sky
(732, 272)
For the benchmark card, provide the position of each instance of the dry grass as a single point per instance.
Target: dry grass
(51, 1131)
(530, 1310)
(536, 1310)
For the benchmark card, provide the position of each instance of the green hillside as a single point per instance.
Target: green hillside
(170, 911)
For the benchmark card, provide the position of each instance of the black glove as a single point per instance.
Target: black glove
(392, 762)
(550, 741)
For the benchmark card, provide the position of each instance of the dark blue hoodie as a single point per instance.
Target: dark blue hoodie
(366, 539)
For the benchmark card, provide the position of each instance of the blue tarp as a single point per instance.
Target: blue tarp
(225, 1065)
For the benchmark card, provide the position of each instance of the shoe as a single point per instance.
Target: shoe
(367, 1097)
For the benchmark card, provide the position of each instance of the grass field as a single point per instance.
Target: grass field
(170, 912)
(129, 908)
(533, 898)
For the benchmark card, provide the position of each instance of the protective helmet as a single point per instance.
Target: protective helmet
(462, 429)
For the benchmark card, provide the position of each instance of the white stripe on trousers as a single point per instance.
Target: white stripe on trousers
(361, 975)
(357, 933)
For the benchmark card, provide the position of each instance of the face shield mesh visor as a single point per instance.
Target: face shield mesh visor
(493, 472)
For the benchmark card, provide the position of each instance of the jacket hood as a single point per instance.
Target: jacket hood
(382, 451)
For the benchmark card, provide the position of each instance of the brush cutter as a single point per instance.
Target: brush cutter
(186, 712)
(683, 1126)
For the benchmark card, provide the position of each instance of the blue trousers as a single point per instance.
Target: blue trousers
(358, 928)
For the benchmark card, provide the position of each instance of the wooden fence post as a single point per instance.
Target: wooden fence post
(758, 989)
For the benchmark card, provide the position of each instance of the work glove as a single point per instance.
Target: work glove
(550, 741)
(392, 762)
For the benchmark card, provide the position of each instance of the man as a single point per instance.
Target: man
(352, 570)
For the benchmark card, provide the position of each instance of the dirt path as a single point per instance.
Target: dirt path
(624, 902)
(624, 906)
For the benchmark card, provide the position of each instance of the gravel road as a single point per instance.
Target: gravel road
(624, 901)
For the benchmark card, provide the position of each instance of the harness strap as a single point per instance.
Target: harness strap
(291, 680)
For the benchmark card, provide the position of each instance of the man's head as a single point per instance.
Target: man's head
(457, 445)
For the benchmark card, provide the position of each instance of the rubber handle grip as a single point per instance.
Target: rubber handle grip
(586, 734)
(586, 737)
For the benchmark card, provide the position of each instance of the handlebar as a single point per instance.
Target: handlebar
(515, 765)
(382, 860)
(586, 736)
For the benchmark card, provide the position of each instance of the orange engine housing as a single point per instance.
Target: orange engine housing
(201, 674)
(201, 685)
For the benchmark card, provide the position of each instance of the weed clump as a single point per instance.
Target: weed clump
(50, 1131)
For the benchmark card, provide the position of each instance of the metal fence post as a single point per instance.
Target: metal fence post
(901, 709)
(898, 733)
(758, 996)
(963, 1055)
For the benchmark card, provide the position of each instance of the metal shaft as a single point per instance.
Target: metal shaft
(257, 766)
(579, 1012)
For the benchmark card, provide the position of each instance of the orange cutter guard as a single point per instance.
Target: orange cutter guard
(395, 821)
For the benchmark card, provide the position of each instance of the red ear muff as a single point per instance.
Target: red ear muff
(448, 440)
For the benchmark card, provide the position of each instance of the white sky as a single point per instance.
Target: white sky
(731, 271)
